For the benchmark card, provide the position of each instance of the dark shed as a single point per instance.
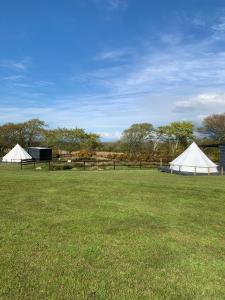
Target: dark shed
(222, 155)
(40, 153)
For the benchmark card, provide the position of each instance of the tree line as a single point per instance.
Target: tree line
(139, 141)
(35, 132)
(145, 140)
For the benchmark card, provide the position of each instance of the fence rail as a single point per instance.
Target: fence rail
(85, 164)
(91, 164)
(33, 162)
(27, 162)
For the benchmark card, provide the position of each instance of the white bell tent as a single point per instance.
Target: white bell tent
(16, 155)
(193, 160)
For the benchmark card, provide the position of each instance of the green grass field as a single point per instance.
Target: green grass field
(126, 234)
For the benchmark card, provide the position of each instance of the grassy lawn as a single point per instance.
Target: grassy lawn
(126, 234)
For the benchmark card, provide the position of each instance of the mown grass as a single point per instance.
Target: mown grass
(136, 234)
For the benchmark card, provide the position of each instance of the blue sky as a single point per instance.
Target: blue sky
(105, 64)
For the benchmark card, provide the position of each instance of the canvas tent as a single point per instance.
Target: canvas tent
(193, 160)
(16, 155)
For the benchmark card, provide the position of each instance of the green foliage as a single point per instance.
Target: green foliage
(144, 142)
(26, 134)
(60, 167)
(136, 136)
(177, 133)
(71, 139)
(34, 132)
(214, 128)
(139, 142)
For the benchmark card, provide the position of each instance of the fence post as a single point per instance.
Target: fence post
(114, 165)
(140, 165)
(221, 171)
(208, 171)
(160, 161)
(84, 164)
(21, 164)
(195, 171)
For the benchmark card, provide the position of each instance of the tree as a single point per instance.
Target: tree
(33, 131)
(26, 134)
(91, 142)
(214, 127)
(11, 134)
(177, 133)
(71, 139)
(136, 136)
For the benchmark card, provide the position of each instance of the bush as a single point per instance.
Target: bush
(61, 167)
(82, 155)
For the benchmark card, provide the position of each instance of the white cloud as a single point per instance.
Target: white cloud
(112, 4)
(115, 135)
(178, 68)
(114, 55)
(220, 26)
(19, 66)
(151, 83)
(202, 104)
(16, 65)
(13, 77)
(169, 81)
(115, 4)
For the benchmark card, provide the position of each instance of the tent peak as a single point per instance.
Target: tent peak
(16, 154)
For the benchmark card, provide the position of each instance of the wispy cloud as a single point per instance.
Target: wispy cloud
(219, 27)
(24, 81)
(117, 4)
(121, 54)
(13, 77)
(181, 67)
(153, 81)
(16, 65)
(112, 4)
(170, 77)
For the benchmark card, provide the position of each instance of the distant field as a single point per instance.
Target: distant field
(126, 234)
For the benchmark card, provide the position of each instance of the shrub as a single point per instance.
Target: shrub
(82, 155)
(61, 167)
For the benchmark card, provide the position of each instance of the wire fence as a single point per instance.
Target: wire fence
(107, 164)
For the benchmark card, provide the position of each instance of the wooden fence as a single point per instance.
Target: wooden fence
(113, 164)
(95, 164)
(33, 162)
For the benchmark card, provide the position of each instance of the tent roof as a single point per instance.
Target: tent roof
(16, 155)
(193, 157)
